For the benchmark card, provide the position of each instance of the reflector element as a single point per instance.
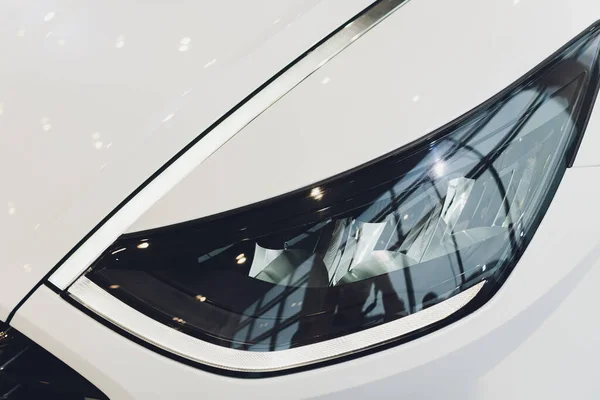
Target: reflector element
(364, 258)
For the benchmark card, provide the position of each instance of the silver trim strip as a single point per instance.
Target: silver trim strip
(110, 308)
(104, 304)
(89, 251)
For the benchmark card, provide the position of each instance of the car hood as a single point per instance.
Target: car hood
(425, 65)
(96, 96)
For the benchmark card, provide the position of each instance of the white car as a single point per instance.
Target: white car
(333, 199)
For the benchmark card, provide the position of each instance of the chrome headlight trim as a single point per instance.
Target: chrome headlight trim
(120, 314)
(216, 136)
(95, 299)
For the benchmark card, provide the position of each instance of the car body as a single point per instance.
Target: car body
(98, 97)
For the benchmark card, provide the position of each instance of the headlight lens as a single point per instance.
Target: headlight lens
(409, 231)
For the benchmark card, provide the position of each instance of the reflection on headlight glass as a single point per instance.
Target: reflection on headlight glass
(371, 246)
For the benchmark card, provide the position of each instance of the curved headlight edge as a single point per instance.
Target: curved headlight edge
(370, 258)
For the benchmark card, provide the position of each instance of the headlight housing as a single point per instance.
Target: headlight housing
(379, 254)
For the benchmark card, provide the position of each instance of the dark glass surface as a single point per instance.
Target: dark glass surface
(383, 241)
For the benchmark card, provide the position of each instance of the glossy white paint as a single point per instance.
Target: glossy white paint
(96, 96)
(588, 154)
(151, 331)
(410, 75)
(200, 151)
(537, 338)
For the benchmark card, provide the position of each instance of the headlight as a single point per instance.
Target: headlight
(382, 253)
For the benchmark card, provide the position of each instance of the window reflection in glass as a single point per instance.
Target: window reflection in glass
(387, 240)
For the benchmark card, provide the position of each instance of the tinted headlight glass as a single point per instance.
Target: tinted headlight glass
(387, 240)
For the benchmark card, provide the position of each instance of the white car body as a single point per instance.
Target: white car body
(97, 96)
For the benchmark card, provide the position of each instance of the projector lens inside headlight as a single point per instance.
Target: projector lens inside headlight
(385, 241)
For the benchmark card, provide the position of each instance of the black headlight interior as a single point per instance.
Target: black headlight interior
(373, 245)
